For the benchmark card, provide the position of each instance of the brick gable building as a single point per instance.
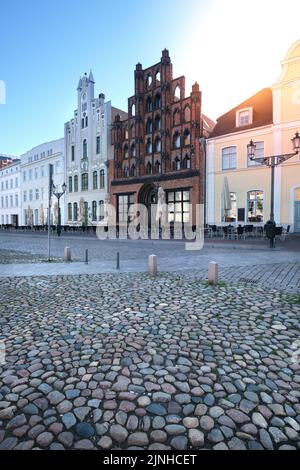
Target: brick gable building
(159, 145)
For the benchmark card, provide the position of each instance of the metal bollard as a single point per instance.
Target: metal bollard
(86, 258)
(118, 261)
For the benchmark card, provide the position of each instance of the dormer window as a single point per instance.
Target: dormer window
(244, 117)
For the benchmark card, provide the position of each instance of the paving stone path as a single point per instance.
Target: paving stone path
(128, 362)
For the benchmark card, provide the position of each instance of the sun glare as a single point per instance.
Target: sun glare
(237, 48)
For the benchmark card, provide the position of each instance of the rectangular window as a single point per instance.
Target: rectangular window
(36, 173)
(37, 194)
(73, 153)
(98, 145)
(42, 171)
(102, 179)
(95, 180)
(84, 182)
(255, 206)
(16, 200)
(259, 153)
(24, 176)
(30, 174)
(30, 195)
(244, 117)
(69, 211)
(124, 203)
(25, 196)
(178, 206)
(229, 157)
(70, 184)
(75, 183)
(75, 211)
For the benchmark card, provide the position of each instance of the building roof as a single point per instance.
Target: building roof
(208, 125)
(262, 104)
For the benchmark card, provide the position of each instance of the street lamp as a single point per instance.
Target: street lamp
(272, 162)
(58, 194)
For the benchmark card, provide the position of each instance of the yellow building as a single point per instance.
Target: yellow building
(238, 189)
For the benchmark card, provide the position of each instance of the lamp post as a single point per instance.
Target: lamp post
(58, 194)
(272, 162)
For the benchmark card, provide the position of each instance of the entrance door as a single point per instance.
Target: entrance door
(148, 196)
(297, 217)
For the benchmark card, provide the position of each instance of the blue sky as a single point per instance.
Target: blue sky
(46, 45)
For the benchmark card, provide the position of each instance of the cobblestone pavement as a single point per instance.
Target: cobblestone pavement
(125, 361)
(19, 257)
(239, 263)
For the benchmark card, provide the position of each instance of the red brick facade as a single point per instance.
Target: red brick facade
(159, 145)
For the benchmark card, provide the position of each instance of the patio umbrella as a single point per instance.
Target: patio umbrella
(226, 196)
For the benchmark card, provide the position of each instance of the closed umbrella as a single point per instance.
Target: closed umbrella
(226, 196)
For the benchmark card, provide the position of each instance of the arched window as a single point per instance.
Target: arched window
(157, 123)
(176, 164)
(157, 101)
(149, 168)
(70, 184)
(177, 93)
(187, 162)
(176, 140)
(149, 146)
(186, 138)
(187, 114)
(70, 211)
(149, 126)
(84, 182)
(84, 149)
(133, 151)
(157, 167)
(86, 121)
(149, 80)
(126, 153)
(76, 183)
(125, 171)
(157, 144)
(95, 180)
(75, 211)
(176, 117)
(94, 211)
(133, 110)
(149, 105)
(82, 123)
(101, 210)
(102, 179)
(133, 170)
(157, 76)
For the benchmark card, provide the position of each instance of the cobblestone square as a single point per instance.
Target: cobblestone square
(122, 361)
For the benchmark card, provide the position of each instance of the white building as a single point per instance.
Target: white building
(87, 150)
(10, 193)
(35, 183)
